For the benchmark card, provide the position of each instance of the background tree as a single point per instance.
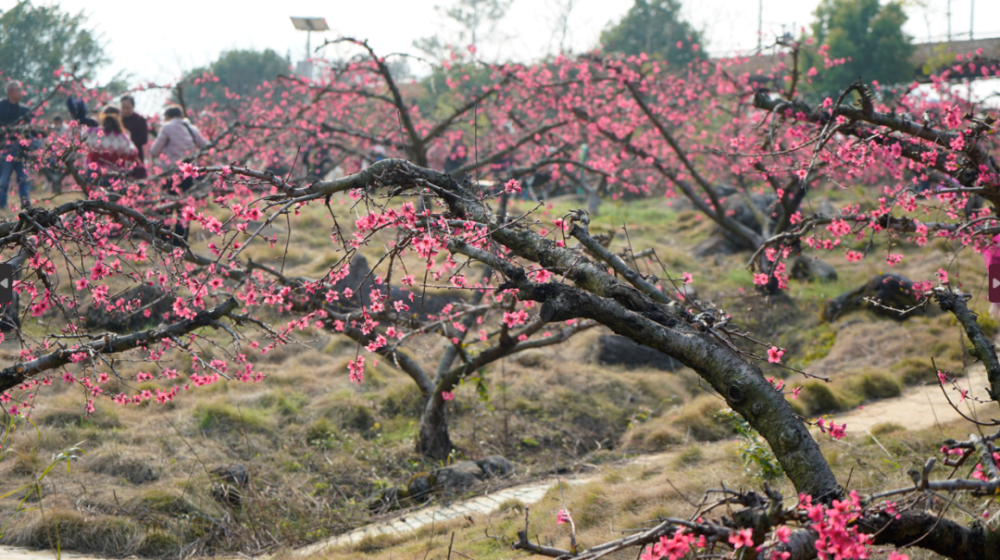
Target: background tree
(35, 41)
(239, 72)
(869, 35)
(476, 21)
(654, 27)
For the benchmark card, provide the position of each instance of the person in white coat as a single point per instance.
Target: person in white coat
(178, 140)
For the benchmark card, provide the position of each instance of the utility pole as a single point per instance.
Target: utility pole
(972, 16)
(760, 26)
(949, 21)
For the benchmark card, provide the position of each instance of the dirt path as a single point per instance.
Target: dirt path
(923, 407)
(916, 409)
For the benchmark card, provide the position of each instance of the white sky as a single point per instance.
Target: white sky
(160, 41)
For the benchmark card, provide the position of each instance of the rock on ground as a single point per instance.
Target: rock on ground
(891, 290)
(619, 350)
(810, 269)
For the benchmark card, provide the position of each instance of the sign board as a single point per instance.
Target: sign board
(993, 277)
(6, 284)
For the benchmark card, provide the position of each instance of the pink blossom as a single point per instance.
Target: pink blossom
(357, 370)
(741, 538)
(562, 517)
(774, 354)
(782, 533)
(448, 395)
(512, 187)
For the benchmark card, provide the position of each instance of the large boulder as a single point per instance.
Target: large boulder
(890, 290)
(459, 476)
(496, 466)
(464, 475)
(809, 269)
(622, 351)
(154, 300)
(737, 209)
(722, 241)
(715, 244)
(420, 484)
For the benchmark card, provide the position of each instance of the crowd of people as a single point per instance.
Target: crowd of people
(113, 144)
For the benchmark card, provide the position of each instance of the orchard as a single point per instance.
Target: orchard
(474, 258)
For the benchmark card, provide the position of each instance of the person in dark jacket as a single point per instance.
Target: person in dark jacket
(138, 129)
(78, 111)
(13, 154)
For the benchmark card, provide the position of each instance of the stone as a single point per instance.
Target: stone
(361, 282)
(459, 477)
(621, 351)
(496, 466)
(159, 302)
(714, 245)
(892, 290)
(810, 269)
(737, 209)
(456, 478)
(421, 484)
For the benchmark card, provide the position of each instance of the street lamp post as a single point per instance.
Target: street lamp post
(308, 24)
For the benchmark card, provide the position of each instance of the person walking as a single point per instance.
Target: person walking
(138, 130)
(178, 141)
(13, 154)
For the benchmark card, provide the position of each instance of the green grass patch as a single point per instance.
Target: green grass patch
(226, 417)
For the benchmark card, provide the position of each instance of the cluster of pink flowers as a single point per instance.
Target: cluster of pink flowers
(835, 431)
(674, 547)
(357, 369)
(837, 537)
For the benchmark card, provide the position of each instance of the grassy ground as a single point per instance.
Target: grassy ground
(317, 446)
(628, 497)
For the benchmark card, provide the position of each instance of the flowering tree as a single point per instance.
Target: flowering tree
(651, 129)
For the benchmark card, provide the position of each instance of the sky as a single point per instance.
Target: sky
(160, 41)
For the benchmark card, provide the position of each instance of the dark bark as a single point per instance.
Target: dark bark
(434, 442)
(982, 347)
(666, 329)
(932, 532)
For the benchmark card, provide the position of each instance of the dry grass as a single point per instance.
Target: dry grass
(317, 446)
(628, 497)
(102, 534)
